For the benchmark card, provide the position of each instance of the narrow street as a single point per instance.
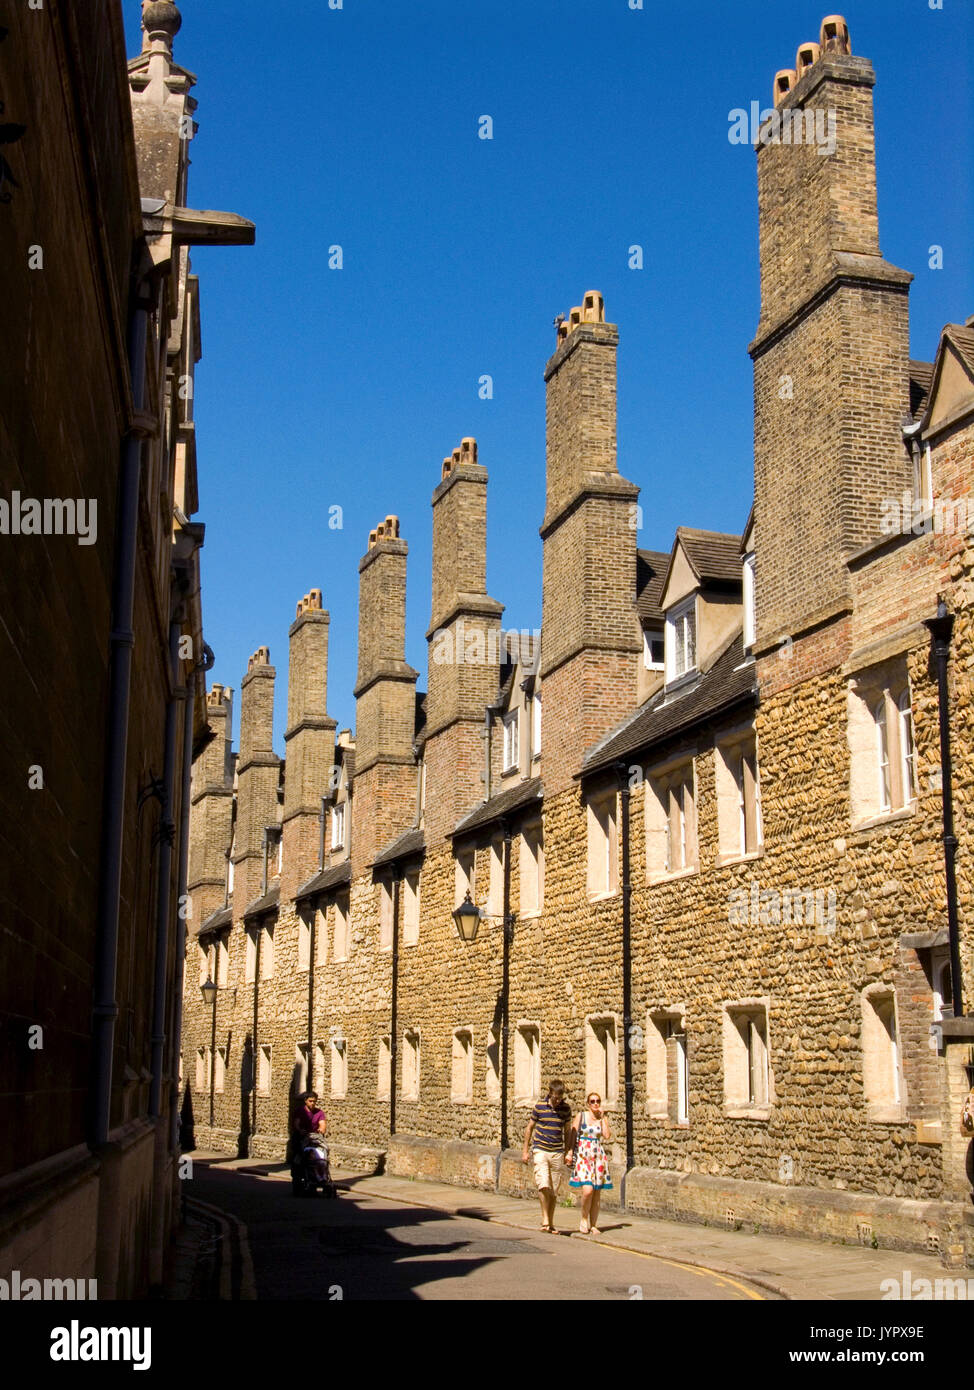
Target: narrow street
(365, 1246)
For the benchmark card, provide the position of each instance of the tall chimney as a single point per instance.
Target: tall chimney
(258, 774)
(831, 355)
(211, 816)
(384, 791)
(464, 643)
(590, 632)
(310, 743)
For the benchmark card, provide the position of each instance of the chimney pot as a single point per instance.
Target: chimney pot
(834, 36)
(447, 468)
(468, 450)
(784, 80)
(593, 307)
(807, 56)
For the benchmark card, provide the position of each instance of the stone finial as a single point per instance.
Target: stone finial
(806, 57)
(784, 80)
(834, 35)
(161, 22)
(261, 657)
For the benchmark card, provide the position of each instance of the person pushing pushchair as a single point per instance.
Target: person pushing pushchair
(310, 1168)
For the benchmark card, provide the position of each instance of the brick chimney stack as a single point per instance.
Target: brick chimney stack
(258, 774)
(464, 643)
(310, 743)
(590, 632)
(384, 802)
(212, 813)
(831, 355)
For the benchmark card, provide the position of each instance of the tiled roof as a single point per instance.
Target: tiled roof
(408, 846)
(921, 379)
(650, 572)
(727, 682)
(334, 877)
(962, 338)
(223, 917)
(505, 803)
(713, 555)
(264, 904)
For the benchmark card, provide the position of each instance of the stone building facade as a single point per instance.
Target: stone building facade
(702, 816)
(101, 642)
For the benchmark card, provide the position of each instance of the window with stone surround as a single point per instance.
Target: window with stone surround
(535, 725)
(342, 928)
(465, 875)
(883, 765)
(681, 640)
(940, 981)
(264, 1069)
(671, 821)
(385, 915)
(527, 1063)
(202, 1070)
(338, 825)
(202, 961)
(267, 953)
(667, 1065)
(602, 1058)
(511, 726)
(739, 826)
(461, 1073)
(321, 934)
(338, 1047)
(383, 1081)
(411, 1058)
(748, 1083)
(301, 1056)
(410, 908)
(882, 1067)
(531, 869)
(304, 940)
(220, 1070)
(603, 845)
(222, 961)
(318, 1080)
(250, 959)
(493, 1072)
(495, 895)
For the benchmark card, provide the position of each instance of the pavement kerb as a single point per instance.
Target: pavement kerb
(780, 1290)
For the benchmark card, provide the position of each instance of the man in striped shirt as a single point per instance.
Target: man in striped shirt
(548, 1136)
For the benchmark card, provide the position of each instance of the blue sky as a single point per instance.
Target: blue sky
(359, 127)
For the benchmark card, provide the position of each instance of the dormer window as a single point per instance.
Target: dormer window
(681, 639)
(749, 608)
(654, 649)
(338, 826)
(511, 741)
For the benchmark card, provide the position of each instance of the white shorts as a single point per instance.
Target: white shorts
(549, 1168)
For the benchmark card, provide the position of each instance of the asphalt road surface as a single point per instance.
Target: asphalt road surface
(365, 1247)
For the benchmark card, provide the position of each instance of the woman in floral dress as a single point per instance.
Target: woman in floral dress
(590, 1169)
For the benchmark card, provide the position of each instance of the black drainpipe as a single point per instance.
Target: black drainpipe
(121, 642)
(394, 1024)
(167, 835)
(506, 985)
(629, 1084)
(941, 628)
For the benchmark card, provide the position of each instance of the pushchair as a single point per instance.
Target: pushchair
(310, 1171)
